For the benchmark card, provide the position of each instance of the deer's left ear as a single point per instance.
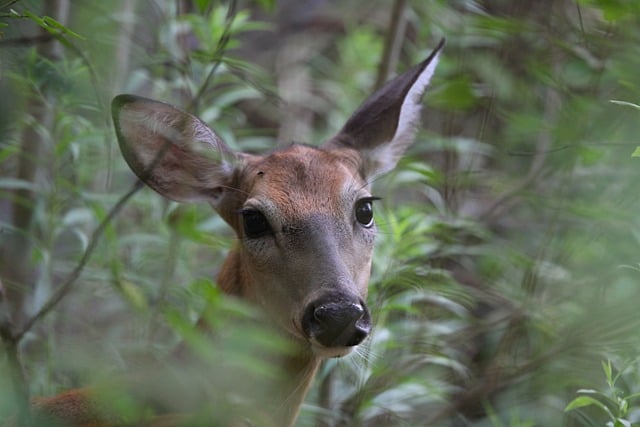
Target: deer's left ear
(385, 124)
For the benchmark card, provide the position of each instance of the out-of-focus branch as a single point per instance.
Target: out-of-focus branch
(393, 42)
(64, 289)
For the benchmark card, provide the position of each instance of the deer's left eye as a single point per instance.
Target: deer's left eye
(364, 211)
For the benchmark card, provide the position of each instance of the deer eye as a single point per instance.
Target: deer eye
(364, 211)
(255, 223)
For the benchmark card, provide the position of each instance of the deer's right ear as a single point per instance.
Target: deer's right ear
(172, 151)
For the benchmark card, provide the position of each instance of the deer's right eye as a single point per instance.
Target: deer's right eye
(255, 223)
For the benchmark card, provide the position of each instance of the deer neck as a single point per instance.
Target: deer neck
(298, 366)
(298, 373)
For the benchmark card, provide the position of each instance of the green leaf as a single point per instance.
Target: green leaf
(134, 295)
(623, 406)
(53, 24)
(608, 372)
(33, 17)
(633, 396)
(584, 401)
(636, 152)
(202, 5)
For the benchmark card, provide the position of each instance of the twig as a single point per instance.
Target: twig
(64, 289)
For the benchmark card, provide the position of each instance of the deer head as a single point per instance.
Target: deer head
(303, 215)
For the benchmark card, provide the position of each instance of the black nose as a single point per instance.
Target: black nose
(337, 320)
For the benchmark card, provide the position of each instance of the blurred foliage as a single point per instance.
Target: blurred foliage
(617, 403)
(506, 271)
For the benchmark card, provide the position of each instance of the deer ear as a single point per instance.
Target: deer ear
(385, 124)
(171, 151)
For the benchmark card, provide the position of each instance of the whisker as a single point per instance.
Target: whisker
(227, 187)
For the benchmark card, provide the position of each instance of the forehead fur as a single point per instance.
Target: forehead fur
(301, 179)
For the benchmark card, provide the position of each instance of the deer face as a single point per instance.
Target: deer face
(306, 234)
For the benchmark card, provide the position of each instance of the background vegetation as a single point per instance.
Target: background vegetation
(505, 283)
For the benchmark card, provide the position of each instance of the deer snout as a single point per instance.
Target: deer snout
(337, 321)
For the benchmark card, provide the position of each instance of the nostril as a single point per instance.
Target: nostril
(359, 334)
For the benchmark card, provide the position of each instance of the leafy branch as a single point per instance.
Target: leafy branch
(614, 402)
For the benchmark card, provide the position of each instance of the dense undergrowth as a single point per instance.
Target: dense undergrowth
(507, 265)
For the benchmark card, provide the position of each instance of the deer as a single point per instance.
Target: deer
(302, 215)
